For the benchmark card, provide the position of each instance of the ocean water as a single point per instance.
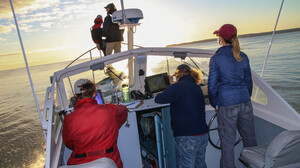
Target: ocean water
(21, 137)
(282, 71)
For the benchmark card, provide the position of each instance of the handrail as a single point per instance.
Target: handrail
(89, 51)
(91, 57)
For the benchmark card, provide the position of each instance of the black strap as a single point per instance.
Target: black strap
(111, 149)
(83, 155)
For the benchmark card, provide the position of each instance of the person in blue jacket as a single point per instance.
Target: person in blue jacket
(187, 107)
(229, 89)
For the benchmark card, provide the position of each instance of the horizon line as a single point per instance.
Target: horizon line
(240, 36)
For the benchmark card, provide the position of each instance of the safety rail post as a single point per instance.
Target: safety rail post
(160, 142)
(91, 57)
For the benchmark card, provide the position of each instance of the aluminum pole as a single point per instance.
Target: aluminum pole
(270, 44)
(25, 60)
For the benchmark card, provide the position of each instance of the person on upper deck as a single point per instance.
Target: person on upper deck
(97, 33)
(187, 108)
(91, 130)
(114, 37)
(229, 89)
(112, 31)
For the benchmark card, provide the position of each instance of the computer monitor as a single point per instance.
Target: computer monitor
(156, 83)
(99, 97)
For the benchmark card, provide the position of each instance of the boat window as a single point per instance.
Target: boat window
(108, 80)
(156, 65)
(200, 63)
(168, 64)
(258, 95)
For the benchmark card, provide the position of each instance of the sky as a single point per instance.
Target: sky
(59, 30)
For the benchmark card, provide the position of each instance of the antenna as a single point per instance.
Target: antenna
(270, 44)
(25, 60)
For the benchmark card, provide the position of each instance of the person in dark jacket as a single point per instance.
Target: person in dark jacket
(114, 36)
(187, 106)
(97, 33)
(111, 31)
(230, 88)
(91, 130)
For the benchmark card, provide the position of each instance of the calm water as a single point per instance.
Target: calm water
(21, 137)
(283, 66)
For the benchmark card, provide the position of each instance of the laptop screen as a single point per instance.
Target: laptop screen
(99, 97)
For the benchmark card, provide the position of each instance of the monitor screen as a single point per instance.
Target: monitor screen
(99, 97)
(156, 83)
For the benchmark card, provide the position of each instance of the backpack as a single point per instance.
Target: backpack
(97, 38)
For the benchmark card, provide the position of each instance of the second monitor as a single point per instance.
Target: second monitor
(156, 83)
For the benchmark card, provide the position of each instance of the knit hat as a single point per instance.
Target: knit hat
(98, 20)
(99, 16)
(226, 31)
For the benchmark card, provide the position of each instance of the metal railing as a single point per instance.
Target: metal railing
(91, 58)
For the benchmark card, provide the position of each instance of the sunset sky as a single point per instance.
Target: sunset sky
(59, 30)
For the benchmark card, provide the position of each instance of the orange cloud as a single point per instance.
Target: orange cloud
(24, 6)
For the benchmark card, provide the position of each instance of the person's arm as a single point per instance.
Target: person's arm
(121, 114)
(66, 134)
(167, 96)
(248, 77)
(213, 83)
(100, 38)
(106, 25)
(94, 36)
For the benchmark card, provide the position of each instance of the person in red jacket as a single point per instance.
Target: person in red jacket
(97, 33)
(91, 130)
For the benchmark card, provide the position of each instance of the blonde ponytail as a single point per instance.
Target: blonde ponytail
(236, 48)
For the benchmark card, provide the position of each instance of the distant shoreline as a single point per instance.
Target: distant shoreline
(240, 36)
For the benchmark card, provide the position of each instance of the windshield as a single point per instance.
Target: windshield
(167, 64)
(108, 80)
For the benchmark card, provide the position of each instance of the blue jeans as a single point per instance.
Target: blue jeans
(190, 151)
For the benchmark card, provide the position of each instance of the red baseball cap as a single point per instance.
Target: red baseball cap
(226, 31)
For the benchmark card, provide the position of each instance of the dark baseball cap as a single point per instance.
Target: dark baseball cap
(110, 6)
(226, 31)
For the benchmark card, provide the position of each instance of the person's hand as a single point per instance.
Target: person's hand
(170, 79)
(216, 110)
(98, 47)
